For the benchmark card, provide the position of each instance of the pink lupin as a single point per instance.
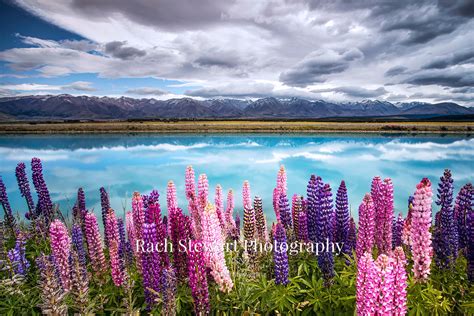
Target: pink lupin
(94, 243)
(171, 199)
(115, 264)
(246, 195)
(218, 201)
(214, 248)
(365, 237)
(385, 283)
(366, 285)
(61, 247)
(420, 236)
(400, 282)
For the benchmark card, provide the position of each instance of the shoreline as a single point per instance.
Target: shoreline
(218, 127)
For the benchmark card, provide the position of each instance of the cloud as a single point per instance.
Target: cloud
(395, 71)
(120, 50)
(167, 14)
(356, 92)
(80, 86)
(315, 66)
(456, 58)
(147, 91)
(453, 78)
(31, 87)
(77, 85)
(251, 90)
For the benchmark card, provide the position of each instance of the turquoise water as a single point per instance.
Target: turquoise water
(127, 163)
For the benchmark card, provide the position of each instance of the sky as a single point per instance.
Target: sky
(341, 50)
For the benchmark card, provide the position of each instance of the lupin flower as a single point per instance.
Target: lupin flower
(246, 195)
(197, 278)
(366, 285)
(470, 243)
(399, 282)
(326, 259)
(385, 281)
(237, 226)
(420, 231)
(296, 208)
(94, 244)
(190, 183)
(276, 200)
(382, 195)
(214, 248)
(377, 198)
(342, 217)
(169, 292)
(105, 206)
(365, 238)
(171, 199)
(130, 230)
(17, 257)
(81, 202)
(229, 216)
(407, 223)
(116, 263)
(397, 231)
(314, 189)
(79, 283)
(61, 248)
(280, 255)
(151, 198)
(219, 202)
(446, 249)
(2, 241)
(352, 237)
(249, 224)
(279, 190)
(302, 227)
(285, 213)
(24, 187)
(78, 244)
(125, 249)
(44, 199)
(151, 264)
(9, 219)
(179, 233)
(52, 293)
(138, 221)
(462, 206)
(260, 221)
(203, 191)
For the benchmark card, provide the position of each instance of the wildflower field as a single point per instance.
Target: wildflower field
(322, 262)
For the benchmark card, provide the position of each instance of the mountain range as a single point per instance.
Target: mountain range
(67, 107)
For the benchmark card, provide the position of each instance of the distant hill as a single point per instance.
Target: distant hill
(67, 107)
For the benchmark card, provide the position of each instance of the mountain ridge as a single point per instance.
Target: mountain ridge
(68, 107)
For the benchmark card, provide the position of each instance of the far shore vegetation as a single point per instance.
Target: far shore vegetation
(237, 126)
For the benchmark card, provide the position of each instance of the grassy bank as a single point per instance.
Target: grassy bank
(203, 126)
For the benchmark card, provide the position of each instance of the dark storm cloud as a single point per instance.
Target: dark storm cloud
(319, 63)
(166, 14)
(421, 21)
(453, 79)
(120, 50)
(356, 92)
(395, 71)
(461, 57)
(216, 61)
